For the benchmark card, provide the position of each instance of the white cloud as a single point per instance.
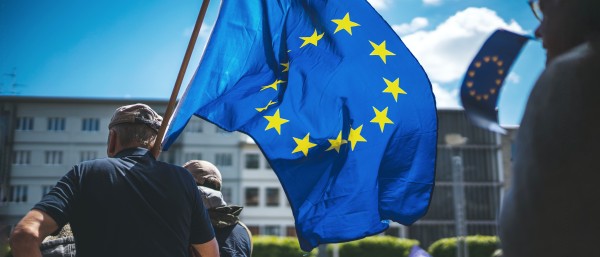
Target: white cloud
(432, 2)
(380, 4)
(407, 28)
(513, 78)
(446, 51)
(445, 99)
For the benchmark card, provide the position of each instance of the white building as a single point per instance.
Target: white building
(44, 137)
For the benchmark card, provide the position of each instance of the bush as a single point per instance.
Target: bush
(479, 246)
(270, 246)
(378, 246)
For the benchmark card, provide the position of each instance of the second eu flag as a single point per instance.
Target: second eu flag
(336, 102)
(485, 76)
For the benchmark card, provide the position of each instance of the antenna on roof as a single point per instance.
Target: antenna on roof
(13, 83)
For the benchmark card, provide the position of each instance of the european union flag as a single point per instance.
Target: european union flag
(485, 76)
(338, 105)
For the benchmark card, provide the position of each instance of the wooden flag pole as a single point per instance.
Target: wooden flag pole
(186, 59)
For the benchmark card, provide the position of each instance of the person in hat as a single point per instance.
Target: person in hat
(551, 209)
(128, 204)
(234, 238)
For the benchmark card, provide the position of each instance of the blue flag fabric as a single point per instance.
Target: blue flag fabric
(416, 251)
(486, 75)
(338, 105)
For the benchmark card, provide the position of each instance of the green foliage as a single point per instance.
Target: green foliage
(378, 246)
(479, 246)
(270, 246)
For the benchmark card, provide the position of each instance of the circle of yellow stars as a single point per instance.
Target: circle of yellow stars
(486, 60)
(392, 87)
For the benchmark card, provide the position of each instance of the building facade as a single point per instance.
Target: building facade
(482, 161)
(41, 138)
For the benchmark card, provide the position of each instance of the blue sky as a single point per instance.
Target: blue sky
(134, 48)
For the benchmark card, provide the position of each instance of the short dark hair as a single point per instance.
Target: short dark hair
(138, 135)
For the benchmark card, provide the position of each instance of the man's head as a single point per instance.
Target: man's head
(133, 125)
(205, 173)
(566, 24)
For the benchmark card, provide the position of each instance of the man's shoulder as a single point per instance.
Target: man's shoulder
(570, 75)
(581, 60)
(178, 169)
(94, 165)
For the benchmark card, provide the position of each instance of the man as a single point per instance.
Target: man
(553, 208)
(235, 240)
(128, 204)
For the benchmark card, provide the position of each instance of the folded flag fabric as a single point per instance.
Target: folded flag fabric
(338, 105)
(486, 75)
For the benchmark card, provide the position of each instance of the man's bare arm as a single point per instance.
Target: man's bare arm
(29, 233)
(208, 249)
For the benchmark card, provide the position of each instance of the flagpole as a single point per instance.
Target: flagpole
(186, 59)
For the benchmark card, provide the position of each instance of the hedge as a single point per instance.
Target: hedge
(270, 246)
(377, 246)
(478, 246)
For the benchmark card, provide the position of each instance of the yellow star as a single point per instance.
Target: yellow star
(313, 39)
(381, 118)
(286, 66)
(345, 24)
(393, 88)
(273, 85)
(275, 122)
(355, 136)
(302, 145)
(380, 50)
(336, 143)
(261, 109)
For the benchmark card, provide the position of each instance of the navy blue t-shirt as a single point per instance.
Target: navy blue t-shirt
(129, 205)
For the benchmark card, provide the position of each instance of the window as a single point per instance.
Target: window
(53, 157)
(90, 124)
(252, 196)
(272, 230)
(46, 189)
(253, 230)
(226, 191)
(195, 126)
(290, 231)
(16, 194)
(252, 161)
(24, 123)
(223, 159)
(87, 155)
(272, 196)
(192, 156)
(56, 124)
(267, 164)
(21, 157)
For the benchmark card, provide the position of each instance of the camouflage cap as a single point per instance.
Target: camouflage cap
(136, 114)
